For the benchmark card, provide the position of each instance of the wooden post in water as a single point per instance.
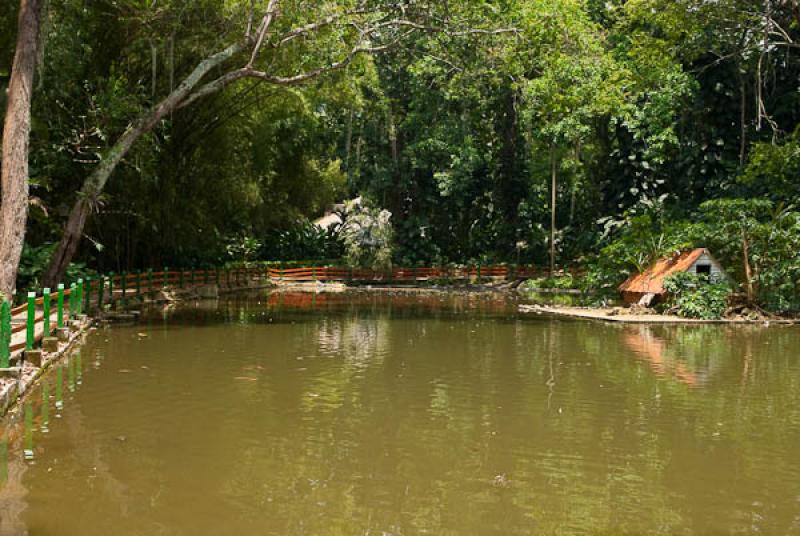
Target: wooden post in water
(5, 335)
(30, 335)
(60, 306)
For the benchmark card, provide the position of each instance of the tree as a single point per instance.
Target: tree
(16, 139)
(307, 34)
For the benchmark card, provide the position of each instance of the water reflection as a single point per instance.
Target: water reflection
(3, 461)
(28, 452)
(59, 388)
(339, 414)
(45, 408)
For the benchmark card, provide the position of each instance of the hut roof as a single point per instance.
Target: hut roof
(652, 279)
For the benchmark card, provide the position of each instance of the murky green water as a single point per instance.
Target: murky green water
(376, 415)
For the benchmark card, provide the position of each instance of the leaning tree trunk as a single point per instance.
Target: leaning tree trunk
(16, 140)
(95, 183)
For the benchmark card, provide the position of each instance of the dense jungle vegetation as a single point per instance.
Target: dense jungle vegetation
(601, 133)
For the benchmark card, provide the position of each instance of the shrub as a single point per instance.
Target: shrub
(307, 241)
(695, 296)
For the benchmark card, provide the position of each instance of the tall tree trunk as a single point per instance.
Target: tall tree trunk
(16, 139)
(553, 186)
(94, 184)
(742, 119)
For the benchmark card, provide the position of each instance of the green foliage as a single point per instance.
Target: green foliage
(695, 296)
(34, 262)
(305, 241)
(650, 108)
(772, 236)
(566, 281)
(243, 249)
(773, 170)
(640, 241)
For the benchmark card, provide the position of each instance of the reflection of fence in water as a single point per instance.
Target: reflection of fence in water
(433, 301)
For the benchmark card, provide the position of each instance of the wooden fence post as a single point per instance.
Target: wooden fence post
(165, 279)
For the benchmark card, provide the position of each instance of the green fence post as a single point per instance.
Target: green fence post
(228, 277)
(124, 283)
(73, 308)
(46, 307)
(60, 306)
(31, 322)
(138, 283)
(5, 335)
(314, 273)
(86, 294)
(111, 288)
(192, 276)
(180, 278)
(205, 276)
(479, 273)
(101, 288)
(216, 276)
(150, 279)
(79, 299)
(166, 277)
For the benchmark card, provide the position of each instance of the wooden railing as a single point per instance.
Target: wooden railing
(464, 273)
(43, 312)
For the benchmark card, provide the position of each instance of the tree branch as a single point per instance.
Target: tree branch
(269, 16)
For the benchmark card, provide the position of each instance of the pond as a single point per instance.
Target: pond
(399, 414)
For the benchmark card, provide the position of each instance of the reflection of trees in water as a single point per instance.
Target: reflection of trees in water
(358, 339)
(721, 405)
